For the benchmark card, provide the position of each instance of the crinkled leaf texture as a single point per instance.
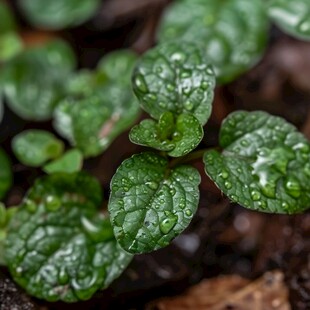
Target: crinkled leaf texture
(58, 247)
(291, 16)
(177, 137)
(57, 14)
(265, 164)
(33, 81)
(233, 32)
(6, 176)
(92, 120)
(150, 204)
(175, 77)
(35, 147)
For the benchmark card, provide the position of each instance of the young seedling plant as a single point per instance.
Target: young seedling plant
(59, 244)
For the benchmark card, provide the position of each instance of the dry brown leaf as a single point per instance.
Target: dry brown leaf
(231, 293)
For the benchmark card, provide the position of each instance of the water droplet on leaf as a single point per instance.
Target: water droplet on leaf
(292, 187)
(168, 223)
(140, 83)
(52, 203)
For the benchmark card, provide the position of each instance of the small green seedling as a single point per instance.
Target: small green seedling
(59, 244)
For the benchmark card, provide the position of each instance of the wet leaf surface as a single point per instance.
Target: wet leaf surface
(151, 204)
(177, 137)
(175, 77)
(264, 165)
(233, 33)
(57, 246)
(291, 16)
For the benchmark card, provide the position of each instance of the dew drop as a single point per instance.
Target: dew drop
(168, 223)
(140, 83)
(204, 85)
(162, 104)
(285, 205)
(268, 189)
(228, 185)
(52, 203)
(224, 174)
(255, 195)
(172, 191)
(177, 136)
(63, 277)
(188, 105)
(293, 188)
(188, 212)
(262, 204)
(304, 26)
(177, 57)
(30, 206)
(244, 143)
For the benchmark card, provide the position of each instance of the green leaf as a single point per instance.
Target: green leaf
(91, 124)
(150, 204)
(118, 65)
(10, 45)
(175, 77)
(71, 161)
(79, 187)
(10, 42)
(291, 16)
(265, 164)
(58, 247)
(6, 176)
(233, 32)
(35, 147)
(177, 137)
(34, 81)
(7, 22)
(5, 217)
(100, 105)
(58, 14)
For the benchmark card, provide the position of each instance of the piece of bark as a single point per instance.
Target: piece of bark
(231, 292)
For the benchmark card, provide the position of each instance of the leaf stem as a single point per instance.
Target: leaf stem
(190, 157)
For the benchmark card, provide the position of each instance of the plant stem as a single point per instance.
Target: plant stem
(190, 157)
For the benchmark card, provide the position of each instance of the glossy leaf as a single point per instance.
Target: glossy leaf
(69, 162)
(6, 176)
(175, 77)
(150, 204)
(5, 217)
(91, 124)
(35, 147)
(58, 247)
(233, 33)
(265, 164)
(291, 16)
(34, 81)
(57, 14)
(10, 45)
(177, 137)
